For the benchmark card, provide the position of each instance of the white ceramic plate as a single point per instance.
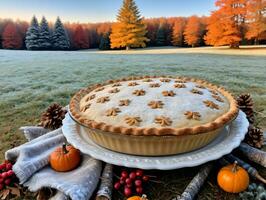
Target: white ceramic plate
(229, 138)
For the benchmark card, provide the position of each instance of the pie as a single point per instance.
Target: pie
(153, 115)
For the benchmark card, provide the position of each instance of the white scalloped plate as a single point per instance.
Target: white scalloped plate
(229, 138)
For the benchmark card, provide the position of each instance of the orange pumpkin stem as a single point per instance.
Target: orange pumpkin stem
(144, 197)
(64, 148)
(234, 170)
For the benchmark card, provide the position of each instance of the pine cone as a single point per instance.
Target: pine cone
(245, 103)
(52, 118)
(254, 137)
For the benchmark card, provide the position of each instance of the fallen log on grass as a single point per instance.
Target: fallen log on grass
(106, 186)
(196, 183)
(253, 154)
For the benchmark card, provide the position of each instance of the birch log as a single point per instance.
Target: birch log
(195, 184)
(253, 154)
(251, 170)
(223, 162)
(106, 186)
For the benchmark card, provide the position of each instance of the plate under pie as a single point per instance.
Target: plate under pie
(228, 138)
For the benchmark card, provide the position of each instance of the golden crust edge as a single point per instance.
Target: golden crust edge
(217, 123)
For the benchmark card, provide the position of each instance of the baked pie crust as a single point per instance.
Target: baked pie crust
(150, 108)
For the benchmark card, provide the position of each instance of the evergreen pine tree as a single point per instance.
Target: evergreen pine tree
(60, 37)
(32, 35)
(44, 36)
(160, 36)
(104, 42)
(130, 30)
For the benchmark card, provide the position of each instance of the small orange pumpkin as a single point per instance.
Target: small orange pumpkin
(143, 197)
(233, 178)
(65, 158)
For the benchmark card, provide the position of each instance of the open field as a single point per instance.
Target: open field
(30, 81)
(259, 50)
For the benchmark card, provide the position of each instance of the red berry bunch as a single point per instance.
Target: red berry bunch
(131, 182)
(6, 174)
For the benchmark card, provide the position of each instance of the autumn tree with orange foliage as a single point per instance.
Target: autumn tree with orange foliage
(80, 39)
(104, 28)
(214, 30)
(193, 31)
(256, 20)
(228, 18)
(11, 37)
(178, 31)
(130, 30)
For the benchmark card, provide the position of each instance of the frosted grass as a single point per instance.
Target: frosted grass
(31, 80)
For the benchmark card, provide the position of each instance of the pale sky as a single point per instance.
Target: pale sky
(99, 10)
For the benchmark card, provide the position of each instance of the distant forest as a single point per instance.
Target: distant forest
(89, 35)
(247, 26)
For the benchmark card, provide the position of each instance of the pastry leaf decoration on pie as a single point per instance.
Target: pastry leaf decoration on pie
(153, 85)
(211, 104)
(155, 104)
(201, 86)
(124, 102)
(86, 107)
(99, 89)
(213, 92)
(195, 91)
(165, 80)
(133, 121)
(112, 112)
(218, 98)
(114, 90)
(169, 93)
(192, 115)
(167, 108)
(116, 85)
(139, 92)
(180, 81)
(103, 99)
(163, 121)
(180, 85)
(90, 97)
(133, 84)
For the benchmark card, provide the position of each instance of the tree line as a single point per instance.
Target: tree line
(234, 22)
(49, 36)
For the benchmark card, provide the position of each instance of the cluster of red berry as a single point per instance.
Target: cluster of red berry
(6, 174)
(132, 181)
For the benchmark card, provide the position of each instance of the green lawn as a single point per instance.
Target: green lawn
(30, 81)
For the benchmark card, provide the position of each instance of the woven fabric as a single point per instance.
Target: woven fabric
(33, 170)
